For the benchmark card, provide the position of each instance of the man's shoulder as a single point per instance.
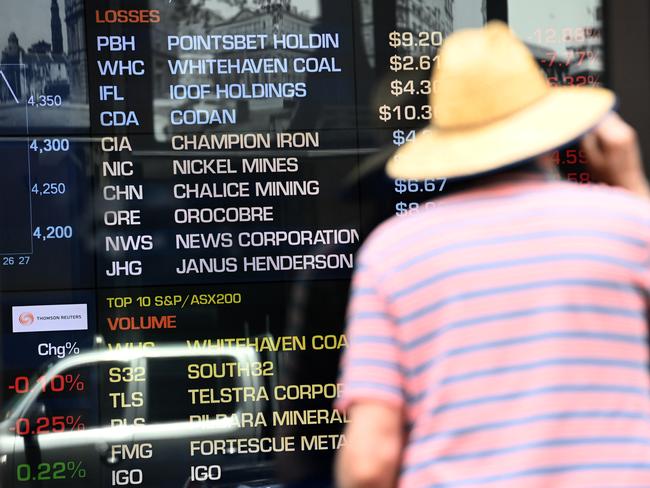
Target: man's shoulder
(603, 197)
(554, 194)
(565, 200)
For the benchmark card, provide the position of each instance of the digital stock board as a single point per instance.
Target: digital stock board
(185, 184)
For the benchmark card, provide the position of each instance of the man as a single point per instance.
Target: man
(499, 339)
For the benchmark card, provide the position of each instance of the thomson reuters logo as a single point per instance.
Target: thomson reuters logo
(49, 318)
(26, 318)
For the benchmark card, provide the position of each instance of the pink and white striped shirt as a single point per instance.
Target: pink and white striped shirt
(510, 325)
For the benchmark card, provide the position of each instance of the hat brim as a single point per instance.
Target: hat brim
(563, 115)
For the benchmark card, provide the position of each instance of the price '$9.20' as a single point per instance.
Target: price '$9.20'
(415, 39)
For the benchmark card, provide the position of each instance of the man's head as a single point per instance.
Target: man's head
(493, 108)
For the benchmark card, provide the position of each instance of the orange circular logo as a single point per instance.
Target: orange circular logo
(26, 318)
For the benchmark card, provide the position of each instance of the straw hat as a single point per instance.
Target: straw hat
(493, 107)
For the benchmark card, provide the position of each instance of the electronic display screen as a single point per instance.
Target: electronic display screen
(185, 185)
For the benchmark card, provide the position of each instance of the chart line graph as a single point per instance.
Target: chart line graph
(15, 159)
(11, 90)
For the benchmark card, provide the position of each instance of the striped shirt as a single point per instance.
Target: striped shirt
(509, 325)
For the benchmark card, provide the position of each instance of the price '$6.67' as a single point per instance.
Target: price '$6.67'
(415, 186)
